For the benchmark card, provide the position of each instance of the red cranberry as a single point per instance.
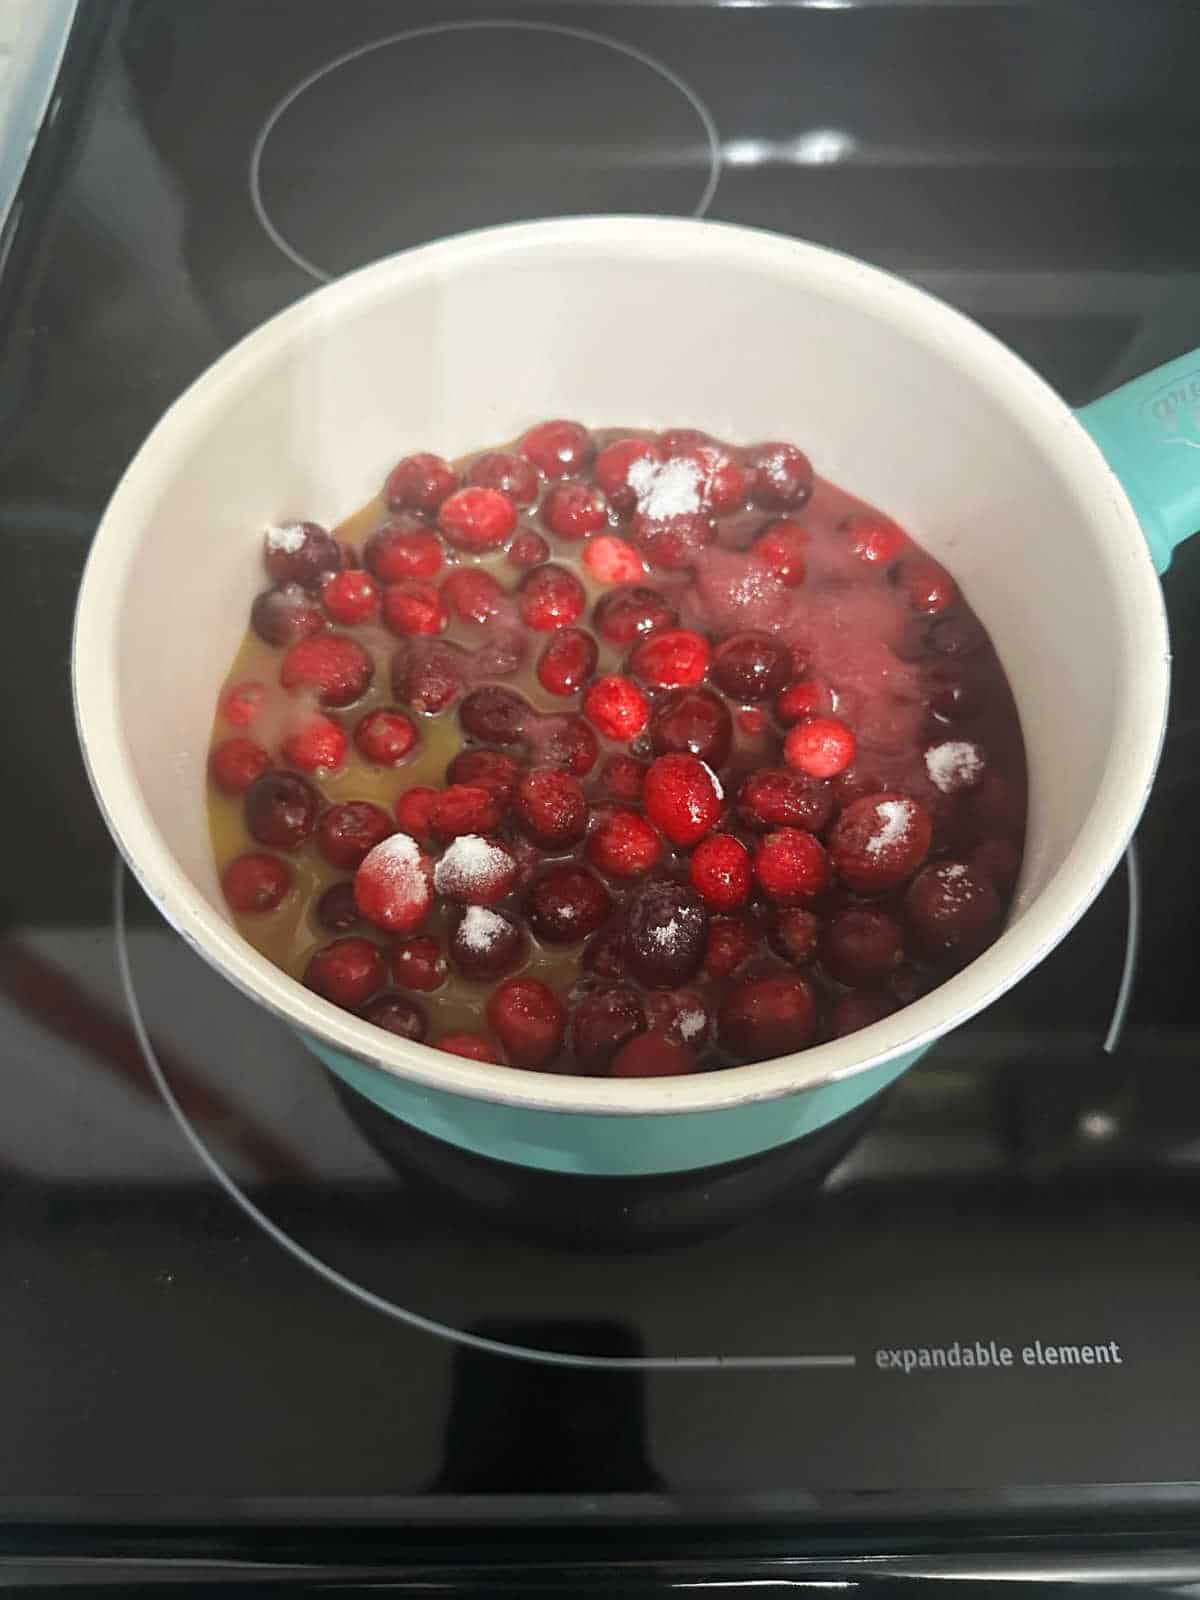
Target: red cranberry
(617, 707)
(673, 542)
(473, 594)
(651, 1055)
(527, 549)
(282, 617)
(666, 934)
(550, 597)
(794, 934)
(567, 662)
(720, 872)
(693, 722)
(575, 510)
(529, 1020)
(485, 943)
(485, 769)
(551, 808)
(621, 778)
(624, 845)
(805, 699)
(677, 441)
(629, 614)
(679, 1015)
(300, 552)
(477, 519)
(613, 560)
(683, 798)
(612, 469)
(402, 550)
(605, 954)
(235, 764)
(502, 653)
(765, 1017)
(318, 744)
(602, 1023)
(776, 798)
(412, 810)
(348, 972)
(783, 476)
(464, 808)
(242, 703)
(954, 765)
(334, 665)
(336, 909)
(879, 841)
(351, 597)
(559, 449)
(563, 742)
(752, 666)
(419, 483)
(398, 1015)
(281, 810)
(385, 737)
(512, 475)
(255, 883)
(954, 695)
(349, 830)
(494, 715)
(862, 946)
(471, 1045)
(394, 884)
(820, 747)
(731, 943)
(928, 585)
(429, 674)
(952, 911)
(566, 904)
(475, 871)
(791, 865)
(999, 861)
(725, 483)
(414, 608)
(852, 1012)
(782, 550)
(675, 659)
(876, 540)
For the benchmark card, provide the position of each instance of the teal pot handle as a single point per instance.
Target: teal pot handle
(1150, 431)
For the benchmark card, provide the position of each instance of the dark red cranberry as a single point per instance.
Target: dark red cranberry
(955, 637)
(999, 861)
(281, 810)
(952, 911)
(998, 807)
(528, 549)
(683, 798)
(612, 469)
(560, 449)
(929, 587)
(550, 597)
(385, 737)
(485, 769)
(473, 594)
(563, 742)
(680, 1015)
(502, 652)
(783, 475)
(575, 510)
(666, 933)
(404, 549)
(348, 831)
(566, 904)
(529, 1020)
(862, 946)
(255, 883)
(955, 694)
(348, 972)
(429, 674)
(765, 1017)
(473, 1046)
(234, 764)
(853, 1012)
(878, 842)
(301, 552)
(629, 614)
(651, 1055)
(336, 909)
(494, 715)
(335, 666)
(673, 542)
(399, 1015)
(283, 617)
(602, 1023)
(418, 963)
(551, 807)
(731, 943)
(605, 954)
(776, 798)
(621, 778)
(794, 934)
(693, 722)
(512, 475)
(752, 666)
(485, 943)
(419, 483)
(567, 662)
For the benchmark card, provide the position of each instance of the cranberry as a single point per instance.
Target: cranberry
(683, 798)
(617, 707)
(752, 666)
(348, 972)
(651, 1055)
(612, 469)
(731, 943)
(464, 808)
(852, 1012)
(551, 808)
(782, 551)
(398, 1015)
(349, 830)
(550, 597)
(621, 778)
(501, 654)
(693, 722)
(385, 737)
(236, 763)
(336, 909)
(473, 1046)
(474, 595)
(999, 861)
(494, 715)
(791, 865)
(429, 674)
(419, 483)
(485, 769)
(412, 810)
(879, 841)
(666, 934)
(336, 666)
(720, 872)
(954, 696)
(679, 1015)
(794, 934)
(281, 810)
(563, 742)
(242, 702)
(414, 608)
(560, 449)
(485, 944)
(776, 798)
(393, 886)
(676, 441)
(477, 519)
(783, 476)
(613, 560)
(725, 483)
(574, 510)
(318, 744)
(928, 585)
(566, 904)
(402, 550)
(529, 1020)
(281, 617)
(673, 541)
(998, 806)
(605, 954)
(475, 871)
(300, 552)
(876, 540)
(952, 911)
(351, 597)
(862, 946)
(955, 764)
(955, 637)
(805, 699)
(567, 662)
(527, 549)
(765, 1017)
(629, 614)
(512, 475)
(624, 845)
(602, 1023)
(676, 659)
(255, 883)
(821, 747)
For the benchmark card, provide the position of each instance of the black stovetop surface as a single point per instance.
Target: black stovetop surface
(162, 1359)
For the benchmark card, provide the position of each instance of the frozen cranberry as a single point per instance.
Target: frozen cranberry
(791, 865)
(776, 798)
(673, 541)
(624, 845)
(419, 483)
(725, 483)
(300, 552)
(782, 550)
(602, 1023)
(613, 465)
(928, 585)
(412, 810)
(765, 1017)
(551, 808)
(563, 742)
(336, 909)
(621, 778)
(281, 617)
(550, 597)
(613, 560)
(394, 885)
(876, 540)
(281, 810)
(527, 549)
(348, 972)
(560, 449)
(731, 943)
(955, 764)
(666, 934)
(821, 747)
(349, 830)
(494, 715)
(794, 934)
(693, 722)
(471, 1045)
(862, 946)
(952, 911)
(805, 699)
(629, 614)
(529, 1020)
(350, 597)
(879, 841)
(679, 1015)
(242, 702)
(475, 871)
(674, 659)
(485, 944)
(512, 475)
(617, 707)
(783, 476)
(400, 551)
(567, 662)
(464, 808)
(477, 519)
(473, 595)
(720, 872)
(236, 763)
(651, 1055)
(683, 798)
(955, 695)
(429, 674)
(999, 861)
(414, 608)
(502, 653)
(334, 665)
(566, 904)
(398, 1015)
(574, 510)
(752, 666)
(852, 1012)
(385, 737)
(605, 954)
(318, 744)
(485, 769)
(255, 883)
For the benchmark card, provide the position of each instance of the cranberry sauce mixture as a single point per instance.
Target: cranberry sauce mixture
(615, 753)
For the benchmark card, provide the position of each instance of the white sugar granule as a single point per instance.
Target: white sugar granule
(288, 536)
(953, 765)
(480, 928)
(691, 1023)
(666, 933)
(954, 870)
(896, 814)
(665, 489)
(469, 864)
